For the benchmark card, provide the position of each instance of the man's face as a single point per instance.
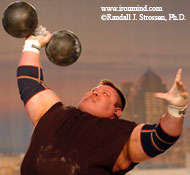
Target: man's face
(100, 102)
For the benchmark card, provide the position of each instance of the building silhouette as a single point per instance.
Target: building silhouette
(142, 106)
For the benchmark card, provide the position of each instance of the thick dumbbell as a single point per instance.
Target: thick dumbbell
(20, 20)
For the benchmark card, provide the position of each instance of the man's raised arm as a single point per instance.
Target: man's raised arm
(36, 96)
(147, 140)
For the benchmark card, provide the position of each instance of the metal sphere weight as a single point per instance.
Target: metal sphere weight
(20, 19)
(64, 48)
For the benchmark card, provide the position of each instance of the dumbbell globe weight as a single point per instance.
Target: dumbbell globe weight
(20, 20)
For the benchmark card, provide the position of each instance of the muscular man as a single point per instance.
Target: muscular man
(90, 139)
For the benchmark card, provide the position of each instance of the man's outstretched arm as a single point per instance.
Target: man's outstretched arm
(36, 96)
(148, 141)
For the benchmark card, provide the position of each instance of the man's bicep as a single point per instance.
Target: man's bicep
(36, 96)
(135, 149)
(40, 103)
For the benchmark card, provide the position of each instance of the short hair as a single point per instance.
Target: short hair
(110, 83)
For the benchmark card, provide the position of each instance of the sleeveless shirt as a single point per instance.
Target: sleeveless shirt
(67, 141)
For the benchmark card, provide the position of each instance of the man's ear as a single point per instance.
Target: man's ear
(117, 112)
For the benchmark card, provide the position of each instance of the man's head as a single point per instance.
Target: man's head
(105, 101)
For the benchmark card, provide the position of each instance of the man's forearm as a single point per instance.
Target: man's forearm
(29, 58)
(172, 125)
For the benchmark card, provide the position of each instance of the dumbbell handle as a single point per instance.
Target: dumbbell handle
(39, 31)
